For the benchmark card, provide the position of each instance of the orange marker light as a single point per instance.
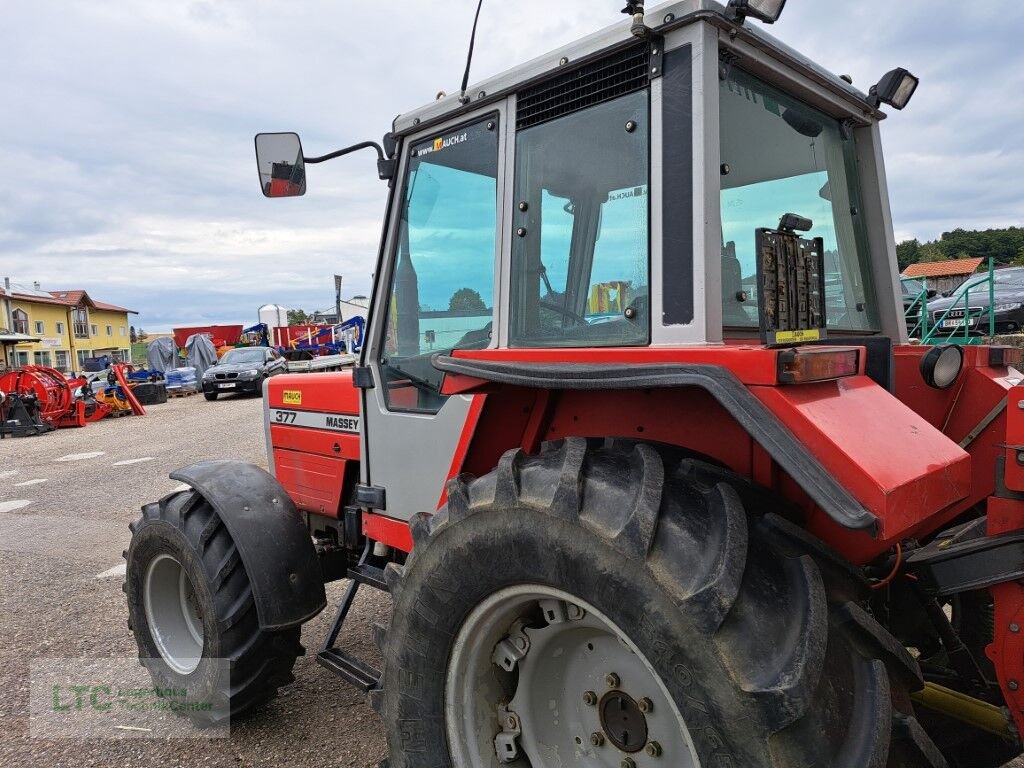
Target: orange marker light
(799, 366)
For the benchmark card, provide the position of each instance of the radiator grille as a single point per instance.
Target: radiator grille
(614, 76)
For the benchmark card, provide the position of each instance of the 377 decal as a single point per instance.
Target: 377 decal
(335, 422)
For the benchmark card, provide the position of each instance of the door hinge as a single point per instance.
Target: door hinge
(362, 377)
(370, 497)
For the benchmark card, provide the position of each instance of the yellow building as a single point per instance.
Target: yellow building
(70, 327)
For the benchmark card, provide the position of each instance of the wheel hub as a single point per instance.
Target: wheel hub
(523, 687)
(172, 612)
(623, 722)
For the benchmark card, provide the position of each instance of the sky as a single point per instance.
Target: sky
(126, 130)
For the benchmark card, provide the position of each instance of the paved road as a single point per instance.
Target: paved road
(65, 502)
(65, 522)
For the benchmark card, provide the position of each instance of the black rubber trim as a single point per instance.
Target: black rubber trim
(271, 537)
(750, 412)
(677, 194)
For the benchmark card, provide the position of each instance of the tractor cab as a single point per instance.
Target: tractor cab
(618, 186)
(635, 439)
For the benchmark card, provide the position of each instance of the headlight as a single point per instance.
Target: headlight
(249, 374)
(1007, 307)
(209, 373)
(941, 366)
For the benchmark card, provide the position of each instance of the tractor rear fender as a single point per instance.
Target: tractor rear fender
(270, 535)
(737, 399)
(865, 460)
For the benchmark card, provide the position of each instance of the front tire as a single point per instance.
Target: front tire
(191, 608)
(210, 395)
(752, 632)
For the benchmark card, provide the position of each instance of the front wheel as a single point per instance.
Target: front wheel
(191, 607)
(210, 395)
(600, 605)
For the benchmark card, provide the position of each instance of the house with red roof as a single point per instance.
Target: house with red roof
(64, 327)
(943, 276)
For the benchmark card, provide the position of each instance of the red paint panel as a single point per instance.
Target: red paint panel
(688, 417)
(1007, 648)
(321, 442)
(751, 364)
(1014, 437)
(890, 458)
(313, 482)
(329, 392)
(394, 533)
(932, 404)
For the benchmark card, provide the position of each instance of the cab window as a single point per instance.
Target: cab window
(442, 284)
(580, 256)
(811, 171)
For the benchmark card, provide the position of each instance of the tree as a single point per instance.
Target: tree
(132, 335)
(931, 252)
(1018, 260)
(466, 300)
(297, 317)
(141, 335)
(907, 253)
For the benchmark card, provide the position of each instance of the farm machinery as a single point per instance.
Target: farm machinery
(729, 518)
(35, 399)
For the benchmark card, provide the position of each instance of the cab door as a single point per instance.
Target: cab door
(438, 294)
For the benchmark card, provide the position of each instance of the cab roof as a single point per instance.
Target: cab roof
(662, 19)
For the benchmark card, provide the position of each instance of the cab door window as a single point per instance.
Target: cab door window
(442, 284)
(580, 260)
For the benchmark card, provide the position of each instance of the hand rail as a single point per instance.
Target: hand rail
(987, 278)
(922, 299)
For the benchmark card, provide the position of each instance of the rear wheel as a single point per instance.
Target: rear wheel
(191, 607)
(598, 605)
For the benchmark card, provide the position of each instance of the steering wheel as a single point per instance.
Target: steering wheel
(580, 320)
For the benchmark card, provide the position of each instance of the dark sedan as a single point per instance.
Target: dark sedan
(242, 370)
(973, 312)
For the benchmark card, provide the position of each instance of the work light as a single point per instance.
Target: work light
(941, 366)
(895, 88)
(767, 11)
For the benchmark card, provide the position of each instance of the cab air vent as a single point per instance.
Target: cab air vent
(616, 75)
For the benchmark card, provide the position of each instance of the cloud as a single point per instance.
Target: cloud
(127, 134)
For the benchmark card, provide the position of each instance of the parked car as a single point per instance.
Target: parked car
(242, 370)
(1008, 287)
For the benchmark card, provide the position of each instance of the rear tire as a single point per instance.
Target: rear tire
(753, 629)
(181, 543)
(210, 395)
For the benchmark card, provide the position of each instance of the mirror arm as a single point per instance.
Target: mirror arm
(385, 166)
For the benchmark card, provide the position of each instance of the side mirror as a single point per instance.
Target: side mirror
(280, 164)
(932, 293)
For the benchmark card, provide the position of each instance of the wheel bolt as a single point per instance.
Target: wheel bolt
(612, 680)
(590, 698)
(653, 749)
(645, 705)
(597, 739)
(627, 763)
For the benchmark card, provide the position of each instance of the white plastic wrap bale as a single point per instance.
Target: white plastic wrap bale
(182, 380)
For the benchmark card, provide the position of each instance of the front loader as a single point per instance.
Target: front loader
(636, 441)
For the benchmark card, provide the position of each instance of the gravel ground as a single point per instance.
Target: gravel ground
(54, 603)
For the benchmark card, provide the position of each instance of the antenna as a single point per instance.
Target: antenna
(635, 8)
(463, 98)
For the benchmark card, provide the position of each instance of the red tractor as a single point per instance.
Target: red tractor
(636, 441)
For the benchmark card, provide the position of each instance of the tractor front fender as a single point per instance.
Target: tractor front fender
(270, 535)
